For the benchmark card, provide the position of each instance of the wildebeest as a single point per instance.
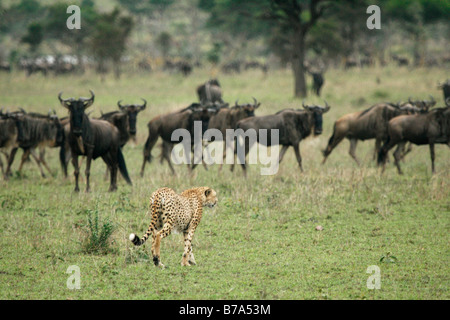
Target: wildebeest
(232, 66)
(227, 118)
(179, 66)
(11, 134)
(318, 81)
(256, 65)
(445, 89)
(92, 138)
(293, 126)
(39, 131)
(401, 61)
(131, 111)
(4, 66)
(210, 92)
(316, 70)
(428, 128)
(363, 125)
(164, 125)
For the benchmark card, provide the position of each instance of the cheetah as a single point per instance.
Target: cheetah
(181, 212)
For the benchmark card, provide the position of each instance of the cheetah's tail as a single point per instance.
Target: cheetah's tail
(137, 241)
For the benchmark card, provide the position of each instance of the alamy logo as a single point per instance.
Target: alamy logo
(374, 281)
(74, 21)
(74, 281)
(374, 21)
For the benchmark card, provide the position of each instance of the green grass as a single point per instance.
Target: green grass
(260, 242)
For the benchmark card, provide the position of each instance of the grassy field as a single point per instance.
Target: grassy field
(261, 241)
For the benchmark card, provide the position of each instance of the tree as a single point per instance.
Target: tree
(76, 39)
(109, 37)
(297, 18)
(292, 20)
(413, 16)
(34, 36)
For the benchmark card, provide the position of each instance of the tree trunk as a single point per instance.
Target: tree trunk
(298, 57)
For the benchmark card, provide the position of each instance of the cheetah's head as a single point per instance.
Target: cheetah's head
(209, 197)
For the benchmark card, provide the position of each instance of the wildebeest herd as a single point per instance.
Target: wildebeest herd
(390, 124)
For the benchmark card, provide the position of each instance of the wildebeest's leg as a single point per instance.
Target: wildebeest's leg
(282, 152)
(112, 168)
(398, 155)
(38, 161)
(25, 155)
(332, 143)
(382, 155)
(10, 161)
(351, 151)
(112, 172)
(76, 171)
(42, 160)
(243, 158)
(377, 148)
(87, 172)
(165, 155)
(405, 152)
(433, 171)
(224, 156)
(297, 154)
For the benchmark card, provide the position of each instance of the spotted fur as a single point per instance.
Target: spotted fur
(181, 212)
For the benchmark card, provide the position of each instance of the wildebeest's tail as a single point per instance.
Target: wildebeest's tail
(123, 167)
(147, 151)
(62, 158)
(329, 147)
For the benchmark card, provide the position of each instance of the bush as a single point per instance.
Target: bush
(98, 234)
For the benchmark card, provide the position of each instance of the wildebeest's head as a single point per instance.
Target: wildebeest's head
(317, 112)
(213, 82)
(76, 109)
(201, 113)
(59, 139)
(423, 105)
(132, 110)
(248, 107)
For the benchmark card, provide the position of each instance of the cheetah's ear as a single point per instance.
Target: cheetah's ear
(207, 192)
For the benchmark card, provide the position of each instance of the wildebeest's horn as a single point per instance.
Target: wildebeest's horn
(144, 105)
(236, 103)
(89, 100)
(60, 99)
(256, 103)
(409, 100)
(432, 99)
(447, 102)
(303, 104)
(22, 110)
(327, 107)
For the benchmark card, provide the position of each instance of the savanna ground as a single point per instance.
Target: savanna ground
(261, 241)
